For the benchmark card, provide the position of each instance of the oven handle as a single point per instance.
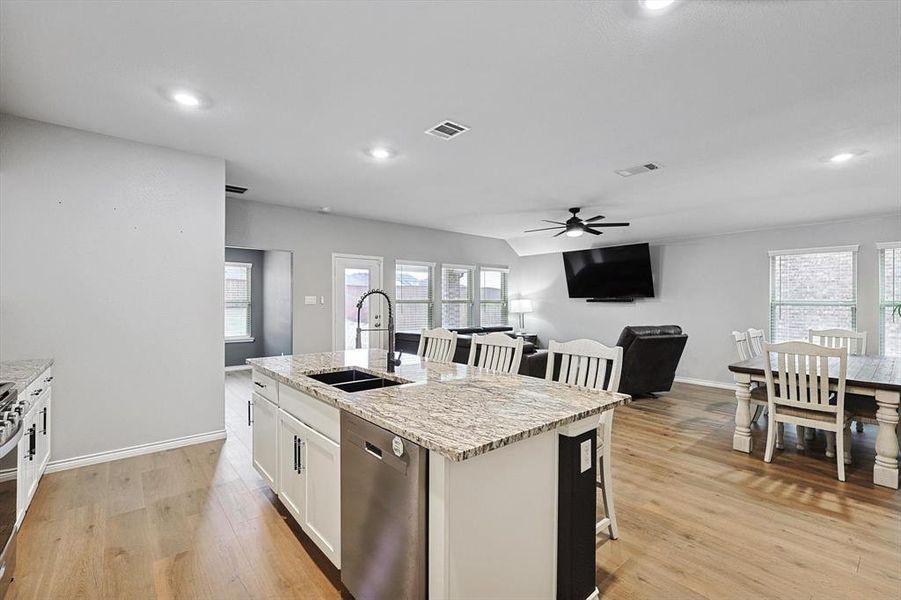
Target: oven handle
(11, 444)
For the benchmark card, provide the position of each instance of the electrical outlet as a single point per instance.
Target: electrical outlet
(585, 456)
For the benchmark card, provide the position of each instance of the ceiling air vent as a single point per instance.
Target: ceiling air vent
(447, 130)
(235, 189)
(638, 169)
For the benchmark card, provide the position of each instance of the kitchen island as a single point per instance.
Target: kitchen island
(500, 448)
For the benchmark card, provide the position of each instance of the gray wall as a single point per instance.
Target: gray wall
(313, 237)
(237, 352)
(709, 286)
(111, 263)
(277, 303)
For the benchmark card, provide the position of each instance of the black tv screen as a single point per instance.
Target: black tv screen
(614, 272)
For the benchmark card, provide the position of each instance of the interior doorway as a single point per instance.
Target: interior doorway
(259, 304)
(352, 275)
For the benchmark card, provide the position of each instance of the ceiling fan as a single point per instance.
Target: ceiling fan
(574, 226)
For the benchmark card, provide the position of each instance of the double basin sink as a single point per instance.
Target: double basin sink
(354, 380)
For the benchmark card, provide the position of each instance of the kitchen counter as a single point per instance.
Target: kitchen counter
(23, 372)
(454, 410)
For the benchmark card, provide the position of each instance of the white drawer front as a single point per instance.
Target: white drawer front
(39, 386)
(265, 386)
(316, 415)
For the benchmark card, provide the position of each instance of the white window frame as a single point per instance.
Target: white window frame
(249, 337)
(431, 301)
(470, 301)
(775, 305)
(881, 302)
(503, 302)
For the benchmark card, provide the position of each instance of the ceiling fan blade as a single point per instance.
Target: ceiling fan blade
(591, 231)
(595, 218)
(609, 224)
(542, 229)
(559, 234)
(554, 222)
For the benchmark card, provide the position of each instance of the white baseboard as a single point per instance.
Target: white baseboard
(722, 385)
(237, 368)
(101, 457)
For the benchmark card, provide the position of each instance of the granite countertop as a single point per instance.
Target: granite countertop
(455, 410)
(23, 372)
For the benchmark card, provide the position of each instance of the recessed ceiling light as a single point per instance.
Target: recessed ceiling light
(656, 4)
(187, 99)
(841, 157)
(381, 153)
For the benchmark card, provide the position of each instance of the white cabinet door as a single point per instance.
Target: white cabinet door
(292, 479)
(265, 440)
(321, 465)
(42, 432)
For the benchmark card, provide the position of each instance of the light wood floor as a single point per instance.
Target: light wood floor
(696, 519)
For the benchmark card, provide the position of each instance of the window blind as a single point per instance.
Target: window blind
(413, 296)
(237, 300)
(889, 297)
(812, 289)
(456, 296)
(493, 310)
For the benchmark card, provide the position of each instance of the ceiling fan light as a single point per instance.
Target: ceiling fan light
(574, 232)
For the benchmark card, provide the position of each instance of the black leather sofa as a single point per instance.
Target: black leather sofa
(533, 360)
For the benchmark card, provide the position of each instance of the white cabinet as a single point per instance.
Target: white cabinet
(320, 460)
(310, 483)
(265, 440)
(34, 447)
(292, 491)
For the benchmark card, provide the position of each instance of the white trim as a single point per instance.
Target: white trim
(238, 340)
(493, 268)
(237, 263)
(356, 256)
(888, 245)
(419, 263)
(110, 455)
(456, 266)
(238, 368)
(851, 248)
(722, 385)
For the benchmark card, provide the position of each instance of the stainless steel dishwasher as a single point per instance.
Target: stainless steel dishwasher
(384, 501)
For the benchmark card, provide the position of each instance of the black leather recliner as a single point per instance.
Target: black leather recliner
(651, 354)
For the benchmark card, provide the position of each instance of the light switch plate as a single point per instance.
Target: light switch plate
(309, 299)
(585, 456)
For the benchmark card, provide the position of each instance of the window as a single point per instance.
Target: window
(237, 302)
(889, 298)
(413, 293)
(456, 296)
(812, 289)
(493, 296)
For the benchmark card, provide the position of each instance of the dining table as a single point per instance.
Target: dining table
(876, 376)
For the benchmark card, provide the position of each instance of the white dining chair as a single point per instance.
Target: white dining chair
(496, 352)
(803, 396)
(856, 343)
(590, 364)
(438, 345)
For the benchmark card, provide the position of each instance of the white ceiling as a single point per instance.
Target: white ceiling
(739, 100)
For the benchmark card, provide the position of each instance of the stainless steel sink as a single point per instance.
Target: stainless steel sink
(354, 380)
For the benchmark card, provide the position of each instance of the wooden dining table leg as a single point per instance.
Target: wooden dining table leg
(741, 439)
(885, 471)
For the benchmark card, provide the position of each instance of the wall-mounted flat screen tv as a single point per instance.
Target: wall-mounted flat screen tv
(609, 273)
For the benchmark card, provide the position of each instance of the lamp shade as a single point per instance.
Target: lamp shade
(520, 305)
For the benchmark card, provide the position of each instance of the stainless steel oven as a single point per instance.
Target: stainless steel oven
(10, 435)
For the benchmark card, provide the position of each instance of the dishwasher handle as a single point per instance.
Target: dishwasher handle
(373, 450)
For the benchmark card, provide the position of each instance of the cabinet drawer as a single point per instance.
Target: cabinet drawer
(265, 386)
(39, 387)
(316, 415)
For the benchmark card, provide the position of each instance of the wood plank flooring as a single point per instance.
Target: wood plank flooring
(696, 519)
